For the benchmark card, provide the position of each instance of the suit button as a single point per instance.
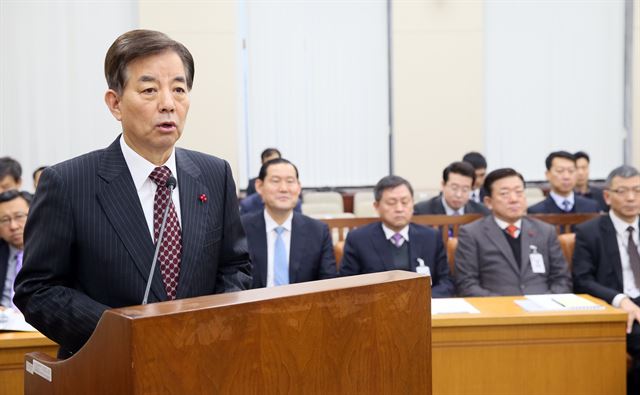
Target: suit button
(522, 287)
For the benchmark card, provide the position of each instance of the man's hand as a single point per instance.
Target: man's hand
(633, 310)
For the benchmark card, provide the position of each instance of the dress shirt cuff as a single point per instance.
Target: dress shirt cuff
(617, 299)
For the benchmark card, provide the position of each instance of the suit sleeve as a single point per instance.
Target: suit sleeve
(234, 266)
(585, 266)
(443, 286)
(350, 264)
(327, 267)
(44, 285)
(559, 276)
(467, 273)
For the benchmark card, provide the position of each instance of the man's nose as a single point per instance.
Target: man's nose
(167, 103)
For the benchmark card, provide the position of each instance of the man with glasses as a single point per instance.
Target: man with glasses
(507, 253)
(561, 174)
(457, 181)
(14, 207)
(606, 260)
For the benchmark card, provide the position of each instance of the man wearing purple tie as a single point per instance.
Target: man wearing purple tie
(14, 207)
(395, 243)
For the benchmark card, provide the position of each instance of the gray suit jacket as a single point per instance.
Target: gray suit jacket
(485, 265)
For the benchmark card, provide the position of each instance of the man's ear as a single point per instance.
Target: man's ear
(487, 202)
(258, 185)
(112, 99)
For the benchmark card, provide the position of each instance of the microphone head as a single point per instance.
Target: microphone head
(171, 182)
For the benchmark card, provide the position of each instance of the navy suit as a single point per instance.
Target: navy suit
(311, 253)
(597, 270)
(435, 206)
(581, 205)
(595, 193)
(366, 250)
(88, 246)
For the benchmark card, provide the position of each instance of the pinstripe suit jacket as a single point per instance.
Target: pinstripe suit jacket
(89, 246)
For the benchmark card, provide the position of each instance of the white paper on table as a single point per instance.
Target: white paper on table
(557, 302)
(452, 306)
(12, 320)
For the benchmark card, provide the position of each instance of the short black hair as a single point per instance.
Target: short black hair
(268, 152)
(558, 154)
(475, 159)
(10, 167)
(463, 168)
(37, 170)
(11, 194)
(263, 169)
(389, 182)
(497, 175)
(582, 155)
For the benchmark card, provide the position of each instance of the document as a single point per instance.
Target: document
(557, 302)
(452, 306)
(11, 320)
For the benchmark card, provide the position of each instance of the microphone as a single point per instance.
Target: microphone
(171, 184)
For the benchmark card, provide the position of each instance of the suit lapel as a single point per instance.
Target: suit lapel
(610, 241)
(380, 245)
(194, 219)
(297, 248)
(261, 250)
(121, 204)
(4, 262)
(415, 249)
(528, 237)
(496, 236)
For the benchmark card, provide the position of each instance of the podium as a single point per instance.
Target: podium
(366, 334)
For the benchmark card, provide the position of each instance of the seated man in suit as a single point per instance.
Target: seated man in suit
(582, 181)
(10, 174)
(457, 180)
(479, 164)
(561, 174)
(395, 243)
(285, 246)
(14, 208)
(606, 261)
(266, 155)
(507, 253)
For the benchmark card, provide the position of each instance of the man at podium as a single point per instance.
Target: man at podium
(94, 226)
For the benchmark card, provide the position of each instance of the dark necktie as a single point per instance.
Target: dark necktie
(634, 257)
(171, 247)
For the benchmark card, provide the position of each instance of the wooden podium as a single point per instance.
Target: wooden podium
(366, 334)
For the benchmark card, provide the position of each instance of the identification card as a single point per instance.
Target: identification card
(537, 263)
(423, 269)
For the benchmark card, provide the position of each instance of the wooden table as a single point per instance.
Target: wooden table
(13, 347)
(506, 350)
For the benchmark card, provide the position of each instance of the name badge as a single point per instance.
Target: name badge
(537, 262)
(423, 269)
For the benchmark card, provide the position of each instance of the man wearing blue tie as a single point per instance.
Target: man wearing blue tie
(285, 246)
(561, 174)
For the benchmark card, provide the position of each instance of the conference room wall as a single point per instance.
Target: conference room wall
(208, 29)
(437, 62)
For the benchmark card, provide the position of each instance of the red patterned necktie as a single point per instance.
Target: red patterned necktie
(511, 230)
(171, 247)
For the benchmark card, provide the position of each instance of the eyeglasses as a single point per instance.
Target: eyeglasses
(625, 190)
(455, 188)
(20, 218)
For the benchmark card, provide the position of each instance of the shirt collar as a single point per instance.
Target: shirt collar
(388, 233)
(449, 210)
(140, 168)
(503, 224)
(559, 199)
(621, 226)
(13, 251)
(271, 224)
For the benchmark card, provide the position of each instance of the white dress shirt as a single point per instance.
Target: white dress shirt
(503, 225)
(140, 169)
(449, 210)
(388, 233)
(475, 195)
(271, 225)
(559, 199)
(629, 286)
